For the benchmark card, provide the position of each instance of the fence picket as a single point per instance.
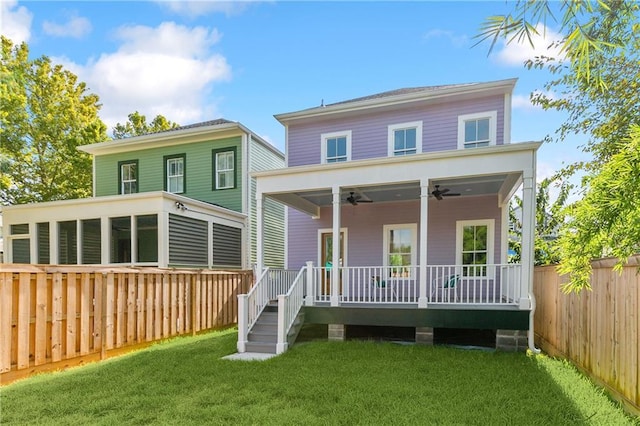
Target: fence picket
(51, 314)
(598, 329)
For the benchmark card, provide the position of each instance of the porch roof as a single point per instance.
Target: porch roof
(481, 171)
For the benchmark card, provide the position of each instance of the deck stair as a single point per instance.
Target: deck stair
(263, 336)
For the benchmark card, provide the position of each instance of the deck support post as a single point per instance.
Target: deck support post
(335, 259)
(424, 218)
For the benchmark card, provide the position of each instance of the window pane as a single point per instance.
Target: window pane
(43, 243)
(481, 238)
(468, 238)
(470, 131)
(410, 137)
(341, 147)
(483, 129)
(399, 140)
(331, 148)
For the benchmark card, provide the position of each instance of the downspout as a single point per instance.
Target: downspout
(530, 336)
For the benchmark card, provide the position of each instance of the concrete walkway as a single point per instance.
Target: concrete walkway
(249, 356)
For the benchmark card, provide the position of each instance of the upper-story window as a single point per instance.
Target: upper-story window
(477, 130)
(405, 138)
(336, 147)
(175, 174)
(224, 169)
(128, 171)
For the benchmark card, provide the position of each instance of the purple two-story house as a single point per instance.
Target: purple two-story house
(398, 216)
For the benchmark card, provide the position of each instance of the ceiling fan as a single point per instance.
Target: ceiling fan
(444, 192)
(354, 199)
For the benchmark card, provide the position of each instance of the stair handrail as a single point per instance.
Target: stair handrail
(289, 306)
(250, 306)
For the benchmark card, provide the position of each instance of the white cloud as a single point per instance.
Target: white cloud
(168, 70)
(75, 27)
(455, 40)
(194, 9)
(15, 21)
(544, 44)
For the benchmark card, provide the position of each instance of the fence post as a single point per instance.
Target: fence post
(281, 344)
(243, 320)
(308, 301)
(103, 325)
(193, 302)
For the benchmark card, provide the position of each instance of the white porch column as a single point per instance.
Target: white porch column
(105, 246)
(335, 260)
(54, 236)
(259, 236)
(528, 236)
(424, 220)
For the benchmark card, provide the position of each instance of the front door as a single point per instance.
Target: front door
(326, 258)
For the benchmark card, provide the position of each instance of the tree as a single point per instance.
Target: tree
(137, 125)
(598, 85)
(550, 217)
(607, 220)
(46, 114)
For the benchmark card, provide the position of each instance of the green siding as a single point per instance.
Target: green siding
(198, 171)
(264, 159)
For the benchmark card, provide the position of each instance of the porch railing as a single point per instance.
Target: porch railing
(289, 305)
(497, 284)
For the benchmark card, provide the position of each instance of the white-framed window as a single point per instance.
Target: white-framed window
(400, 249)
(474, 247)
(225, 170)
(175, 174)
(129, 177)
(405, 138)
(336, 147)
(477, 130)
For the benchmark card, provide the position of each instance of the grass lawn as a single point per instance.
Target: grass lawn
(184, 381)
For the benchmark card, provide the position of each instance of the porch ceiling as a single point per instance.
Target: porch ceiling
(503, 185)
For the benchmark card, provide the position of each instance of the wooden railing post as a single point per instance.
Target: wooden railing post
(309, 300)
(281, 343)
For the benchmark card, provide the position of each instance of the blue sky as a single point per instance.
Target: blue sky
(246, 61)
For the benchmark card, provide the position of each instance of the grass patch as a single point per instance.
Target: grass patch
(184, 381)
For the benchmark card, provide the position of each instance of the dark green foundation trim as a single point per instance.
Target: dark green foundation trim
(436, 318)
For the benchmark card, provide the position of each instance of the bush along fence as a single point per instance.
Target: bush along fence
(597, 330)
(51, 314)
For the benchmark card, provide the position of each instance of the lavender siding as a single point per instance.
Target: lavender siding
(365, 222)
(369, 132)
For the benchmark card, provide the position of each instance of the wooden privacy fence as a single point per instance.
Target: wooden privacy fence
(50, 314)
(598, 330)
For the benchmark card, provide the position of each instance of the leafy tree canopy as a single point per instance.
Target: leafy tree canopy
(46, 114)
(597, 84)
(137, 125)
(550, 216)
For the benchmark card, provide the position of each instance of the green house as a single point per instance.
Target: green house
(178, 198)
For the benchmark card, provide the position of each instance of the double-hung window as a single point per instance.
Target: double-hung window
(128, 172)
(477, 130)
(175, 174)
(400, 249)
(474, 247)
(224, 169)
(336, 147)
(405, 138)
